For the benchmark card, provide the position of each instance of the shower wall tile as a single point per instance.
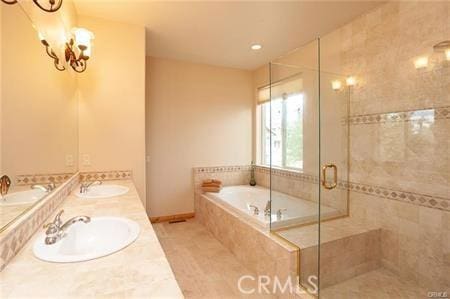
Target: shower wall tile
(412, 156)
(415, 242)
(399, 126)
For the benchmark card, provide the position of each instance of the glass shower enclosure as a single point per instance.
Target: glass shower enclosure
(304, 141)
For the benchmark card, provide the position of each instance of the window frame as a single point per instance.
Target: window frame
(262, 140)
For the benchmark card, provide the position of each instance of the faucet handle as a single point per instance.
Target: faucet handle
(51, 186)
(255, 209)
(56, 222)
(280, 212)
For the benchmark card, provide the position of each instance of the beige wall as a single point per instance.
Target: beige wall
(112, 101)
(197, 115)
(1, 83)
(39, 103)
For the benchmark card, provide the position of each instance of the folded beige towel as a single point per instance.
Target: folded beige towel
(211, 189)
(217, 185)
(212, 181)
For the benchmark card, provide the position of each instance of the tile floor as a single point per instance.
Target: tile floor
(377, 284)
(203, 267)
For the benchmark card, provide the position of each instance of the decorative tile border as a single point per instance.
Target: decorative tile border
(217, 169)
(31, 179)
(401, 116)
(429, 201)
(106, 175)
(288, 174)
(14, 236)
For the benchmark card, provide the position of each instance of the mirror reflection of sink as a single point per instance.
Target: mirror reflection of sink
(86, 241)
(103, 191)
(22, 197)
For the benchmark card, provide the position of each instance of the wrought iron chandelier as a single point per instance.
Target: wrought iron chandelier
(51, 5)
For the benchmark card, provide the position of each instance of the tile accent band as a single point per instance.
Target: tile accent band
(106, 175)
(401, 116)
(425, 200)
(30, 179)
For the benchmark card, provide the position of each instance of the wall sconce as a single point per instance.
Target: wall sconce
(421, 62)
(336, 85)
(443, 47)
(81, 41)
(51, 7)
(350, 81)
(51, 53)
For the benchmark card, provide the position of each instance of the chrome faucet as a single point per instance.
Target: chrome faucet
(255, 209)
(56, 230)
(267, 209)
(280, 213)
(84, 187)
(50, 187)
(5, 183)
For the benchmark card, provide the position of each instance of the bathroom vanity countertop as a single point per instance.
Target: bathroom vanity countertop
(141, 270)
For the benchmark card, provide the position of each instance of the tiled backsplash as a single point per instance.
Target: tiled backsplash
(20, 231)
(30, 179)
(106, 175)
(229, 175)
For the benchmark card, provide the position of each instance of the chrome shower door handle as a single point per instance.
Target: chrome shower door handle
(324, 176)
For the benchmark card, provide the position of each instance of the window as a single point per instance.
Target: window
(286, 131)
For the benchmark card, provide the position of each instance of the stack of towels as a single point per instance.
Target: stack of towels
(211, 185)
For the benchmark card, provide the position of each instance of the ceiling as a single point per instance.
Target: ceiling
(221, 33)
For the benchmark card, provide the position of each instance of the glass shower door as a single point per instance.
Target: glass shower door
(290, 128)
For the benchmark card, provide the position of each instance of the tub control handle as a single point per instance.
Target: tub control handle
(324, 176)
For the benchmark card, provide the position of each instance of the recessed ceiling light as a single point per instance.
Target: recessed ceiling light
(256, 47)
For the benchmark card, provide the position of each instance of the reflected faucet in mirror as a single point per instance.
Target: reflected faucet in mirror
(49, 188)
(5, 183)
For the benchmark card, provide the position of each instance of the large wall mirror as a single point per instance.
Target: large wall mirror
(38, 111)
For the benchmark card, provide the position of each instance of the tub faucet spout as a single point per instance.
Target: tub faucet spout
(267, 209)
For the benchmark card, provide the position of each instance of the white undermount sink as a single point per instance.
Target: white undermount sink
(86, 241)
(22, 197)
(103, 191)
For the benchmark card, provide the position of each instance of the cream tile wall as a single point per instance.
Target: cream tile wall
(400, 133)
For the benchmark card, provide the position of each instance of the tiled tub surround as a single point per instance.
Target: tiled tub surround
(304, 186)
(286, 210)
(254, 246)
(138, 271)
(14, 237)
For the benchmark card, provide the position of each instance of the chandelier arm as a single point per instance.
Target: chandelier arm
(78, 62)
(9, 2)
(59, 68)
(51, 9)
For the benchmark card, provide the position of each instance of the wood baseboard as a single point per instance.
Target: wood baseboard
(176, 217)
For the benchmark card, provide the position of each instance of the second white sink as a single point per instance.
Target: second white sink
(103, 191)
(86, 241)
(22, 197)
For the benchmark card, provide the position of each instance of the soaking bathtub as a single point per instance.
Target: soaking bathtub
(294, 210)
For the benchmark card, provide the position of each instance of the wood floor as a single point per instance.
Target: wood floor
(203, 267)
